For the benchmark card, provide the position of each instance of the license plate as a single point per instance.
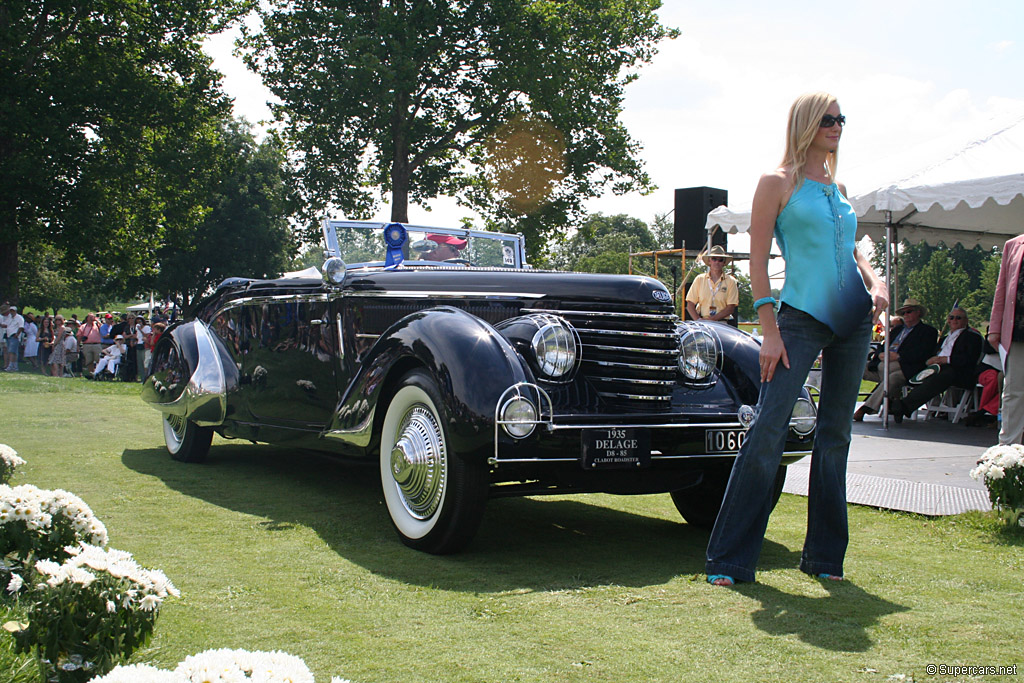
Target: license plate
(724, 440)
(616, 448)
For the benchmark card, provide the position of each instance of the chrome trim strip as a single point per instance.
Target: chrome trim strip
(606, 314)
(634, 366)
(632, 349)
(512, 461)
(630, 333)
(634, 397)
(629, 380)
(275, 298)
(445, 294)
(341, 337)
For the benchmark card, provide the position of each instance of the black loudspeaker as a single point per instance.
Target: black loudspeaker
(693, 204)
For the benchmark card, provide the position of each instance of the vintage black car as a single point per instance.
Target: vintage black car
(468, 375)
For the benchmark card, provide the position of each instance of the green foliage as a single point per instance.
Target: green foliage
(513, 105)
(91, 92)
(242, 228)
(978, 303)
(938, 285)
(602, 244)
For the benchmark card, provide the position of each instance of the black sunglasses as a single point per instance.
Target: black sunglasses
(955, 317)
(718, 258)
(827, 121)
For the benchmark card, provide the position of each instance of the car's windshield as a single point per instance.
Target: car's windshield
(363, 243)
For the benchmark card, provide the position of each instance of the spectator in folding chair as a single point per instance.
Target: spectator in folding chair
(955, 364)
(111, 358)
(990, 375)
(72, 356)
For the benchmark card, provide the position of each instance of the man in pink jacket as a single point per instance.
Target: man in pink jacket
(1006, 331)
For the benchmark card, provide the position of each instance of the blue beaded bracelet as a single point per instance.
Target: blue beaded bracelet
(764, 300)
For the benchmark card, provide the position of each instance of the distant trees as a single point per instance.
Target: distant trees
(96, 97)
(511, 105)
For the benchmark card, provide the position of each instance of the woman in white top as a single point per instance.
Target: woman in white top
(31, 339)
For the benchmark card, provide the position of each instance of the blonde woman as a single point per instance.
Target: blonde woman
(828, 305)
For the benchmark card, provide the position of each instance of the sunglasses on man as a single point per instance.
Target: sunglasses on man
(827, 121)
(955, 317)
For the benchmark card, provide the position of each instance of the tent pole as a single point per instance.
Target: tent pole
(888, 325)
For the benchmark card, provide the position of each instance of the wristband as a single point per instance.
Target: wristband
(764, 300)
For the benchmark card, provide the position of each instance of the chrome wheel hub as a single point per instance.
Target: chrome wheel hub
(177, 425)
(418, 462)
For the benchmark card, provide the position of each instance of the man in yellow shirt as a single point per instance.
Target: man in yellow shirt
(714, 295)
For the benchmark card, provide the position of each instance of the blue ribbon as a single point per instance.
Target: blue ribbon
(395, 236)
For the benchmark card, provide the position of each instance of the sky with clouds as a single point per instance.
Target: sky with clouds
(711, 108)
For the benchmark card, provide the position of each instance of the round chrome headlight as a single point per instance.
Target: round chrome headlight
(804, 417)
(554, 347)
(518, 417)
(698, 352)
(334, 270)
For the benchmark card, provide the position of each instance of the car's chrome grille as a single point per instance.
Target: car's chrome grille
(629, 352)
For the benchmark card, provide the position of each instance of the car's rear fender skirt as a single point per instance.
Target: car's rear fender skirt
(191, 376)
(471, 363)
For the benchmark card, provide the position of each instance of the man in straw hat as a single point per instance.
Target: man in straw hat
(714, 295)
(913, 343)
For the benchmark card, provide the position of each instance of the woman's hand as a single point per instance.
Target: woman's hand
(773, 351)
(880, 297)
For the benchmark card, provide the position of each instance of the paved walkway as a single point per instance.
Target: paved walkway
(919, 466)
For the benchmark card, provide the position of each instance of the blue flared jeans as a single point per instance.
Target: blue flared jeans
(739, 529)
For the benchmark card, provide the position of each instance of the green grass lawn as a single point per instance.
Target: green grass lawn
(280, 549)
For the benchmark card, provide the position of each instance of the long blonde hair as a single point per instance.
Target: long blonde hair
(804, 120)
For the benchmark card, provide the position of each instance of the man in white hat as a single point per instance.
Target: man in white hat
(110, 358)
(13, 325)
(714, 295)
(913, 343)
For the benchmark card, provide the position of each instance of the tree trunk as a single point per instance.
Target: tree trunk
(400, 171)
(9, 272)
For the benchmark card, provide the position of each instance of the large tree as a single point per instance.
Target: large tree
(513, 105)
(86, 88)
(244, 230)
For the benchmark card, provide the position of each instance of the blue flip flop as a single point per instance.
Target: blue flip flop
(712, 578)
(830, 577)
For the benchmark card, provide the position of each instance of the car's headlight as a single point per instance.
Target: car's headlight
(699, 352)
(518, 417)
(334, 270)
(555, 348)
(804, 417)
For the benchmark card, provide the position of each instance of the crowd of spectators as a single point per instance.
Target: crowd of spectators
(103, 346)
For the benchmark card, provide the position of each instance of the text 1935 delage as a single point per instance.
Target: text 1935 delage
(467, 378)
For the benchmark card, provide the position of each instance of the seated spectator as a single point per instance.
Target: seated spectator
(448, 247)
(111, 357)
(912, 343)
(990, 377)
(71, 353)
(957, 358)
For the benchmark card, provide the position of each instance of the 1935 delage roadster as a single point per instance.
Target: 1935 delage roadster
(467, 378)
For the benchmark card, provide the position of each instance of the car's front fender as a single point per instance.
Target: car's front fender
(471, 363)
(190, 378)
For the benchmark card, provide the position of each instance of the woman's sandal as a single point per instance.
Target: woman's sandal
(721, 580)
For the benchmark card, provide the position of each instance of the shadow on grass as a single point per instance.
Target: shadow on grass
(839, 621)
(523, 543)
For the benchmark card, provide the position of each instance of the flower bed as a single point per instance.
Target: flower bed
(1001, 468)
(37, 523)
(9, 459)
(90, 612)
(221, 666)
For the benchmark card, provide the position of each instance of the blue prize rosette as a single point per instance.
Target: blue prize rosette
(395, 236)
